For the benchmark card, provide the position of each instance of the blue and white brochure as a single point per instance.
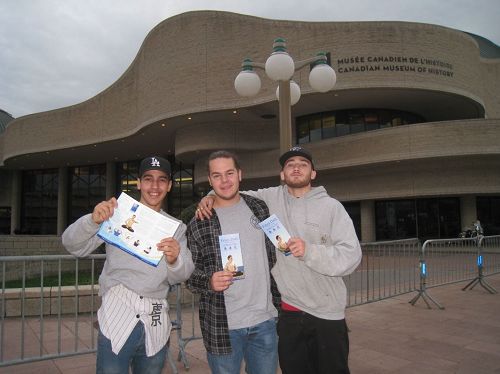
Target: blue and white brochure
(230, 251)
(277, 233)
(136, 229)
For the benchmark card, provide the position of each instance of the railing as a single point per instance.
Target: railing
(59, 321)
(387, 269)
(445, 261)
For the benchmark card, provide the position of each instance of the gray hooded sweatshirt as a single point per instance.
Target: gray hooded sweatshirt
(314, 283)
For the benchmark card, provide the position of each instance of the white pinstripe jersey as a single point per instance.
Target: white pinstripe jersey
(122, 309)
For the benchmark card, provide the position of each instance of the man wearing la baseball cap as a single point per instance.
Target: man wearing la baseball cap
(324, 247)
(155, 163)
(134, 325)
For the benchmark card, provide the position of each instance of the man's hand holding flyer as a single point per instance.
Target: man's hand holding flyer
(137, 229)
(277, 233)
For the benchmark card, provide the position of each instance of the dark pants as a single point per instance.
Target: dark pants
(311, 345)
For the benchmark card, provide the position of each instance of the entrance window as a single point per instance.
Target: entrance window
(87, 189)
(4, 220)
(39, 202)
(354, 211)
(488, 212)
(423, 218)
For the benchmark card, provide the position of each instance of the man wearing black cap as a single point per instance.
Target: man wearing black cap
(324, 247)
(134, 325)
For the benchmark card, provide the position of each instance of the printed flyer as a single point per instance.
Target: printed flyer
(230, 250)
(136, 229)
(277, 233)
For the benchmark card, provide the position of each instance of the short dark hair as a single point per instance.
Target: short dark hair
(223, 154)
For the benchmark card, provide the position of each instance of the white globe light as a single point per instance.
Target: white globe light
(294, 93)
(247, 83)
(280, 66)
(322, 78)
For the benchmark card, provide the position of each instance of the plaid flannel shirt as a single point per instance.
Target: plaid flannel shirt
(203, 242)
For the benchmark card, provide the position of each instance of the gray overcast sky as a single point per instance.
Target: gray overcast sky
(53, 53)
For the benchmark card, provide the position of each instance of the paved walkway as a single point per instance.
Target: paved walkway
(388, 336)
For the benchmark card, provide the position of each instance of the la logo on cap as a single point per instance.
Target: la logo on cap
(155, 162)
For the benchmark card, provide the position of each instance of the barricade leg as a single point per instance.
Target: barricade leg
(422, 292)
(480, 277)
(177, 326)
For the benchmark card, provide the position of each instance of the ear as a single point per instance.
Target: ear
(169, 186)
(139, 184)
(313, 175)
(282, 175)
(239, 175)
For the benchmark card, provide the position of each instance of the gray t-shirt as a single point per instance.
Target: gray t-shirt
(248, 300)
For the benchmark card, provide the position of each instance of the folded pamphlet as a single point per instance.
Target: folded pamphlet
(277, 233)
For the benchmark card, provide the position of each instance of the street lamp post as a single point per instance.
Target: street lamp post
(281, 67)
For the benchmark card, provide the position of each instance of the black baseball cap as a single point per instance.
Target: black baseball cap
(155, 163)
(296, 151)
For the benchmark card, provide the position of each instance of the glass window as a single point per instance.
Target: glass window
(397, 121)
(39, 202)
(449, 217)
(303, 131)
(354, 211)
(488, 212)
(4, 220)
(371, 121)
(428, 218)
(385, 118)
(325, 125)
(182, 193)
(128, 172)
(423, 218)
(357, 122)
(315, 129)
(87, 189)
(395, 219)
(328, 126)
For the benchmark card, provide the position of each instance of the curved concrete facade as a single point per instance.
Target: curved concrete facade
(177, 98)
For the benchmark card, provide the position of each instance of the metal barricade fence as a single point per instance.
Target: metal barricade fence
(490, 250)
(387, 269)
(53, 321)
(445, 261)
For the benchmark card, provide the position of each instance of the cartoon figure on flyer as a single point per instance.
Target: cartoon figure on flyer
(129, 222)
(282, 246)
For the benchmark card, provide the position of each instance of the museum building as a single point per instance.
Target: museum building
(408, 139)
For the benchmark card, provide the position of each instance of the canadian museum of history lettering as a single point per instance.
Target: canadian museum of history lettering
(358, 64)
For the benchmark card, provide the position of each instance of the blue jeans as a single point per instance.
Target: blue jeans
(133, 353)
(258, 345)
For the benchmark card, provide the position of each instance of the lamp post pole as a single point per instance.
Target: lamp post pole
(281, 67)
(285, 113)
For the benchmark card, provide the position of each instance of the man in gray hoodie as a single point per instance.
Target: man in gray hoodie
(324, 247)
